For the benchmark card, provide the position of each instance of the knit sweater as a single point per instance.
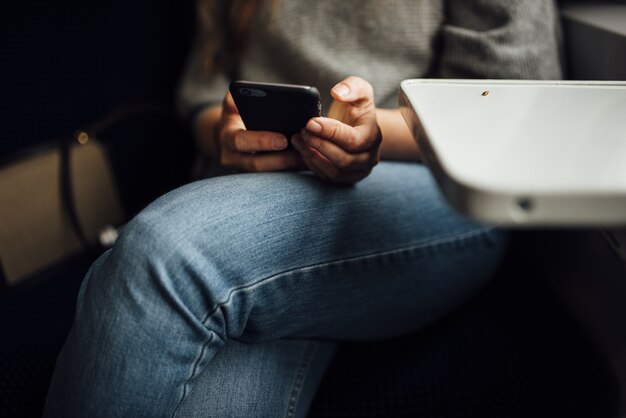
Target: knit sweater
(320, 42)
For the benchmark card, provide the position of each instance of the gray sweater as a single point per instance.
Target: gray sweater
(321, 42)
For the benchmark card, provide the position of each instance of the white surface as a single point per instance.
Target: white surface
(561, 145)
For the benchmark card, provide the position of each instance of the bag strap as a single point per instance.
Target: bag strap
(67, 195)
(3, 279)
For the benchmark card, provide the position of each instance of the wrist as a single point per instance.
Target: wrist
(206, 131)
(398, 142)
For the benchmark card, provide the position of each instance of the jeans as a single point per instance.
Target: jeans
(225, 297)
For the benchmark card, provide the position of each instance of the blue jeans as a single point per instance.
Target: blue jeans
(223, 298)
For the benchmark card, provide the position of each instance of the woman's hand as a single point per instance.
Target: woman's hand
(240, 149)
(344, 147)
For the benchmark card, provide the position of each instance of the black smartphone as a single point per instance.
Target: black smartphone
(283, 108)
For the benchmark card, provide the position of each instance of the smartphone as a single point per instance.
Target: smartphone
(283, 108)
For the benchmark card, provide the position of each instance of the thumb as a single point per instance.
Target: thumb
(354, 90)
(228, 104)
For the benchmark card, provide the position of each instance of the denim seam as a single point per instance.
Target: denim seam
(303, 369)
(194, 369)
(422, 245)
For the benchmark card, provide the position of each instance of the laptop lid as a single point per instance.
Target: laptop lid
(524, 152)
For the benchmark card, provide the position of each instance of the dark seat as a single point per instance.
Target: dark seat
(512, 351)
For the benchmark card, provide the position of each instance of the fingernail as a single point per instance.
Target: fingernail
(341, 89)
(313, 126)
(279, 143)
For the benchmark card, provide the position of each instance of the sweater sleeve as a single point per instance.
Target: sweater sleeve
(517, 39)
(198, 89)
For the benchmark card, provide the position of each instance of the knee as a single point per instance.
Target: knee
(143, 257)
(150, 271)
(142, 242)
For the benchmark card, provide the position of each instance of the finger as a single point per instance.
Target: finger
(300, 146)
(315, 170)
(331, 173)
(305, 151)
(354, 90)
(338, 155)
(273, 161)
(245, 141)
(354, 139)
(320, 174)
(324, 168)
(229, 105)
(231, 120)
(313, 160)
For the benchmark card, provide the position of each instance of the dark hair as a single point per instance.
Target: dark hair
(224, 43)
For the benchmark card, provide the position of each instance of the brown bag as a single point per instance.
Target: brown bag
(56, 202)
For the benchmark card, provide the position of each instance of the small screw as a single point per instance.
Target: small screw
(486, 93)
(525, 204)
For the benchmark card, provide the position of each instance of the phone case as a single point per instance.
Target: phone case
(283, 108)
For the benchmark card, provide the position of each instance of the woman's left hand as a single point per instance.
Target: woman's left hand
(343, 147)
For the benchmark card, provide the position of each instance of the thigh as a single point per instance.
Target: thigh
(274, 255)
(254, 258)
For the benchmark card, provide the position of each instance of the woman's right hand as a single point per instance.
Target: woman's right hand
(234, 147)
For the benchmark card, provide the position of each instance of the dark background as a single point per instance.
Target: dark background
(67, 64)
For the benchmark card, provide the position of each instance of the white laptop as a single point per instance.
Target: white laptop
(524, 152)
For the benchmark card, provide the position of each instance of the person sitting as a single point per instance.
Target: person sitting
(226, 297)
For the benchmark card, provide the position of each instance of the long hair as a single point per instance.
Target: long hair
(224, 45)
